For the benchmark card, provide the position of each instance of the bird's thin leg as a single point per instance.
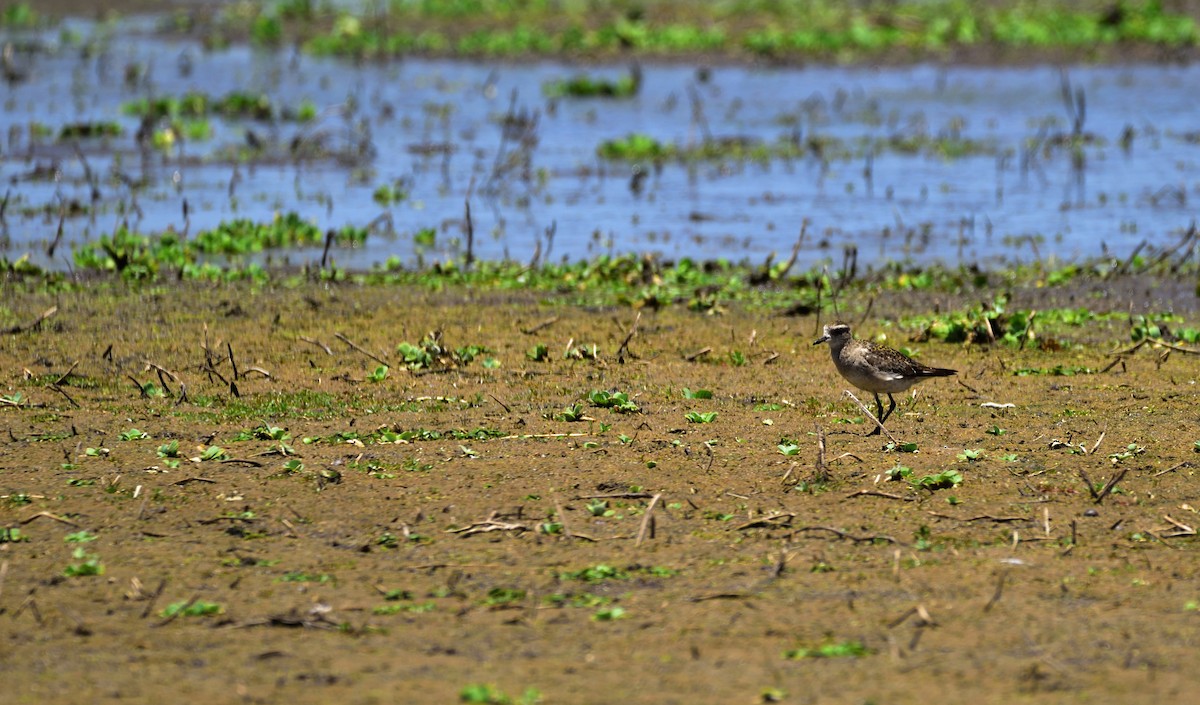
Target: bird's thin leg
(878, 414)
(891, 407)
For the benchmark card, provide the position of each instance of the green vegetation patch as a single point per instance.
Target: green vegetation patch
(785, 30)
(237, 104)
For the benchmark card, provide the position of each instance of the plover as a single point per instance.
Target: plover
(874, 368)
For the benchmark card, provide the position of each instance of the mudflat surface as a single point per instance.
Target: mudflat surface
(448, 527)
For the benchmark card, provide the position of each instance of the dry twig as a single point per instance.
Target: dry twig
(37, 322)
(355, 347)
(647, 521)
(872, 417)
(489, 524)
(776, 519)
(856, 539)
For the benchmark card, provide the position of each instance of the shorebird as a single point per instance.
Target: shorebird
(874, 368)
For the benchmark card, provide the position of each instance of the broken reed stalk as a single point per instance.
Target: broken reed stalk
(1099, 495)
(232, 362)
(347, 341)
(317, 343)
(538, 326)
(628, 337)
(999, 591)
(647, 521)
(65, 374)
(562, 519)
(153, 598)
(35, 324)
(325, 252)
(856, 539)
(470, 259)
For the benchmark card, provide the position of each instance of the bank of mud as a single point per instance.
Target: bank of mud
(448, 527)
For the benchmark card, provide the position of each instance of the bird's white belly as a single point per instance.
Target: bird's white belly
(875, 381)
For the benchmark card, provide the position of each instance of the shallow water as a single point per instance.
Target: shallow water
(435, 125)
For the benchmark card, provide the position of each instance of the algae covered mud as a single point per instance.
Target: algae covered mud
(367, 494)
(186, 140)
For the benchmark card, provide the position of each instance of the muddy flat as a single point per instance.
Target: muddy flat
(236, 494)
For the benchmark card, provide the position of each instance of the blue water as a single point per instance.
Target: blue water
(986, 209)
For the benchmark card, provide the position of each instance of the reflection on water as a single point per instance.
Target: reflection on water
(921, 163)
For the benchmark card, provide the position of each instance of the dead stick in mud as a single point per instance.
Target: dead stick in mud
(872, 417)
(628, 337)
(562, 520)
(48, 515)
(63, 392)
(1108, 486)
(1186, 351)
(325, 252)
(698, 354)
(615, 495)
(66, 374)
(162, 370)
(162, 380)
(999, 591)
(506, 409)
(647, 520)
(877, 493)
(1173, 468)
(153, 598)
(856, 539)
(779, 519)
(1131, 349)
(538, 326)
(139, 386)
(981, 517)
(62, 218)
(31, 604)
(232, 363)
(470, 258)
(317, 343)
(791, 261)
(37, 322)
(183, 608)
(347, 341)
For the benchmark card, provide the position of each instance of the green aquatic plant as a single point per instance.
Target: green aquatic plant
(617, 401)
(583, 86)
(832, 649)
(233, 105)
(942, 480)
(636, 147)
(88, 565)
(11, 534)
(19, 15)
(191, 608)
(89, 130)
